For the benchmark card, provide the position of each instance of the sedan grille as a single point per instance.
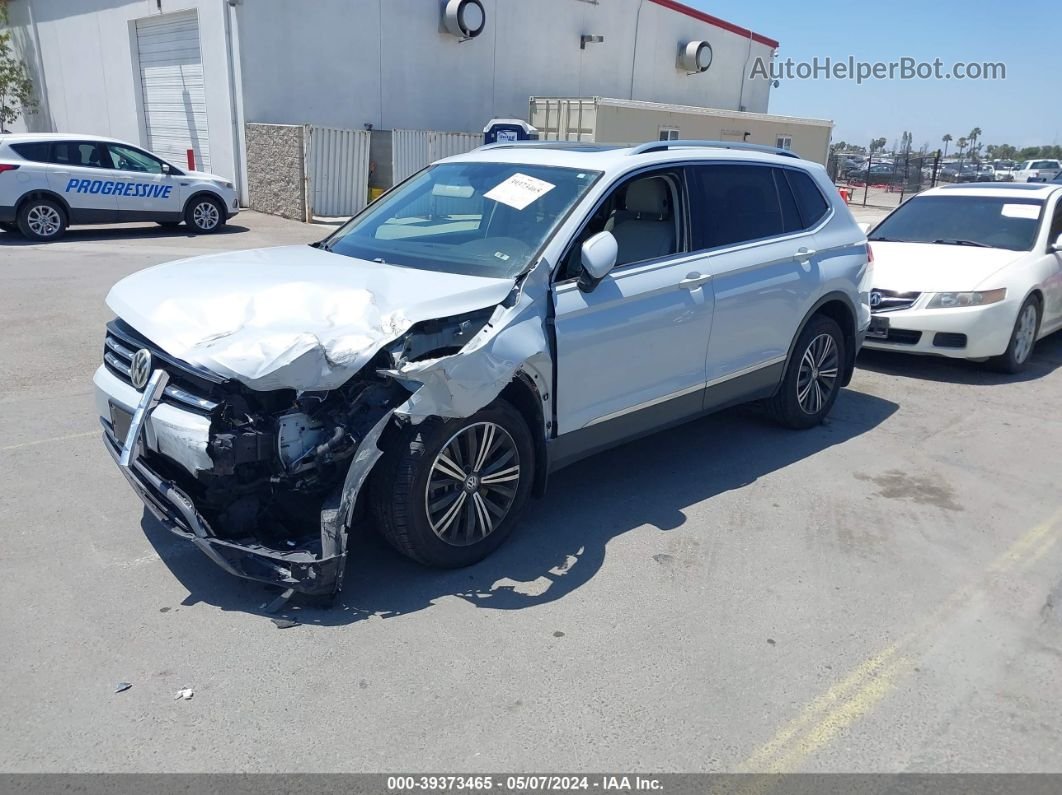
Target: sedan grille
(890, 301)
(189, 388)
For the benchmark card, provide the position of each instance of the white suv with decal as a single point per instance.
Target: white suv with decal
(48, 181)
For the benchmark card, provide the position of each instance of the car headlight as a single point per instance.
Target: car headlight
(979, 298)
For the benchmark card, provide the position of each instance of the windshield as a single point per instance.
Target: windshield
(996, 222)
(478, 219)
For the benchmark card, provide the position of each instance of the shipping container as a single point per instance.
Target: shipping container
(624, 121)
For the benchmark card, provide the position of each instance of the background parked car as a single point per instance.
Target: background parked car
(1037, 171)
(1004, 170)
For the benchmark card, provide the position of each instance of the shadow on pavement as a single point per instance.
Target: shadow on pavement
(560, 543)
(1045, 359)
(146, 232)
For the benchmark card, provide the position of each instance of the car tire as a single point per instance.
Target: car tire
(204, 215)
(812, 379)
(41, 219)
(1022, 338)
(9, 227)
(437, 519)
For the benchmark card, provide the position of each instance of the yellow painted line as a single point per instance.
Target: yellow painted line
(869, 683)
(36, 442)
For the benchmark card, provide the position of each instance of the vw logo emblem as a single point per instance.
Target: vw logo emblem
(875, 298)
(140, 368)
(471, 483)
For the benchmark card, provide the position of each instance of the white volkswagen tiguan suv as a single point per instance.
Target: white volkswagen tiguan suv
(497, 316)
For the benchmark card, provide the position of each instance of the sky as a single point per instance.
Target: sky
(1025, 109)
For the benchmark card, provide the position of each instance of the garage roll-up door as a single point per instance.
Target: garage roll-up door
(171, 78)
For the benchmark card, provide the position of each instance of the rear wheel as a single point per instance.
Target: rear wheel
(204, 215)
(41, 219)
(447, 493)
(813, 378)
(1022, 338)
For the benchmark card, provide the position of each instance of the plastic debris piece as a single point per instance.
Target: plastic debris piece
(184, 693)
(284, 623)
(122, 686)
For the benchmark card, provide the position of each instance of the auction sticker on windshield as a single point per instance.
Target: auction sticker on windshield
(1031, 211)
(519, 191)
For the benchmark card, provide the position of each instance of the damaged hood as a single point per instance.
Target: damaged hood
(292, 317)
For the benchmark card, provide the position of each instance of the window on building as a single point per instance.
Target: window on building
(669, 133)
(784, 142)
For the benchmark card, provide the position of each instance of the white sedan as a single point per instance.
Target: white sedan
(969, 271)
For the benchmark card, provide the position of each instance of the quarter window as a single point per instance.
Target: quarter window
(812, 204)
(36, 151)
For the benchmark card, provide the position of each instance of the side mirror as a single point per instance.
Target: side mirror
(166, 169)
(1057, 245)
(599, 257)
(865, 228)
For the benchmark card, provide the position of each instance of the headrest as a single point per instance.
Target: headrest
(648, 197)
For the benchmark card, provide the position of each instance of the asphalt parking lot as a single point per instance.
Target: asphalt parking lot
(882, 593)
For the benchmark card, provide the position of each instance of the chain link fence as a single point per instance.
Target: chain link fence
(885, 181)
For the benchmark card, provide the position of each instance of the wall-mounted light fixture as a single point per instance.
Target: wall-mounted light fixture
(464, 19)
(695, 57)
(588, 38)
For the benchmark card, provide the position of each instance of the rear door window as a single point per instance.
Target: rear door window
(84, 154)
(735, 203)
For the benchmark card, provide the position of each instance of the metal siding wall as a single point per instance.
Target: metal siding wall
(339, 170)
(448, 144)
(409, 153)
(412, 150)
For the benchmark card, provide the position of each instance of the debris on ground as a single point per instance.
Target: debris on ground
(184, 693)
(284, 623)
(118, 688)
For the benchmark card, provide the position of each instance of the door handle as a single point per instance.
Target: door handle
(694, 280)
(804, 254)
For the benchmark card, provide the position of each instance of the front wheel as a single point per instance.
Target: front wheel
(205, 215)
(447, 493)
(1022, 338)
(813, 378)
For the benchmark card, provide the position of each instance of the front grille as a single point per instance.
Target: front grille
(189, 388)
(890, 301)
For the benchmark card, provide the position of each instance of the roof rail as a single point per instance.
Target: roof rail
(573, 145)
(663, 146)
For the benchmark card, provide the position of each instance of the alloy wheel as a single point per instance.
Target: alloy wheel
(817, 377)
(43, 221)
(1025, 333)
(205, 215)
(472, 484)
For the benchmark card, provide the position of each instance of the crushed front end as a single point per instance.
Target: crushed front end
(264, 483)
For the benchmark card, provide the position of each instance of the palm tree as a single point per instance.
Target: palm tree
(947, 139)
(962, 145)
(974, 135)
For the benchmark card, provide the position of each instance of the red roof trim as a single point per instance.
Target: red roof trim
(719, 23)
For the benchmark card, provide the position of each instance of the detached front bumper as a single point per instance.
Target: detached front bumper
(975, 332)
(316, 570)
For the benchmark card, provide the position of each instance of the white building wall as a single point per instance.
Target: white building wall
(84, 64)
(347, 63)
